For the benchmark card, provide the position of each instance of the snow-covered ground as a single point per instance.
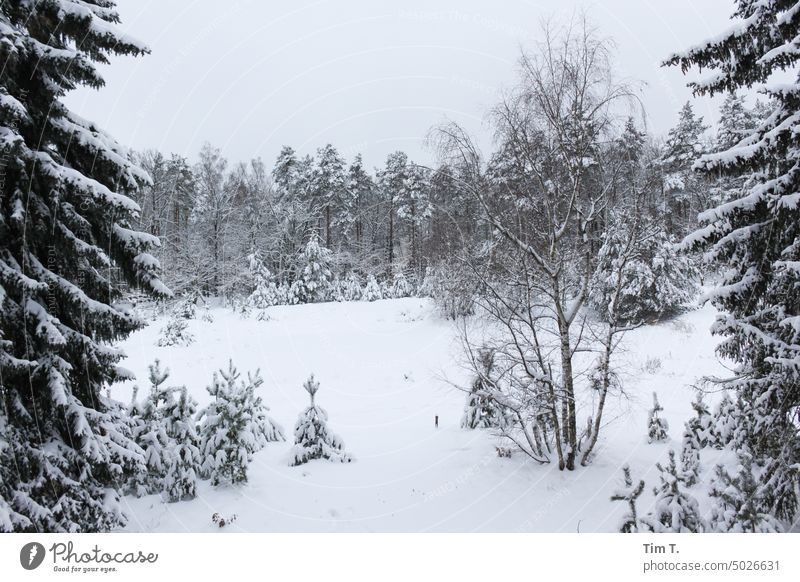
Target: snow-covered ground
(385, 370)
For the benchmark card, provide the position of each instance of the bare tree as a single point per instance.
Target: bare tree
(545, 192)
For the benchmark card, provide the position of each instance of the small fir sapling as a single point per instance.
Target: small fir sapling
(657, 427)
(312, 438)
(629, 494)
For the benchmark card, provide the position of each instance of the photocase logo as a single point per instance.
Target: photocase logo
(31, 555)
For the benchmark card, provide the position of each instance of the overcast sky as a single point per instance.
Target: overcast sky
(369, 76)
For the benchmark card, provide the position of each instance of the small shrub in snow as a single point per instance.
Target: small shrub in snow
(690, 460)
(724, 422)
(452, 291)
(233, 426)
(657, 427)
(629, 494)
(312, 439)
(186, 308)
(652, 365)
(207, 316)
(503, 452)
(676, 510)
(175, 333)
(221, 521)
(386, 290)
(372, 291)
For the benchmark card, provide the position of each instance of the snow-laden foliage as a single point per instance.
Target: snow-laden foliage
(372, 290)
(233, 427)
(481, 409)
(69, 246)
(739, 502)
(182, 473)
(265, 292)
(657, 426)
(175, 333)
(629, 493)
(676, 510)
(401, 286)
(312, 438)
(656, 281)
(754, 239)
(314, 268)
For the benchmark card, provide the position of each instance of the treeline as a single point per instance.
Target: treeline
(212, 216)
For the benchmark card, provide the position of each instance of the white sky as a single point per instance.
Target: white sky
(369, 76)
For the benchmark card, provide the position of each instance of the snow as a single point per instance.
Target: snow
(385, 370)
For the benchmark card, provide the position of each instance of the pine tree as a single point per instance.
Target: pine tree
(233, 427)
(401, 287)
(699, 428)
(657, 427)
(150, 434)
(351, 288)
(265, 292)
(724, 422)
(180, 482)
(739, 502)
(481, 410)
(683, 189)
(175, 333)
(66, 223)
(629, 494)
(675, 510)
(372, 291)
(690, 460)
(312, 439)
(314, 265)
(656, 281)
(753, 239)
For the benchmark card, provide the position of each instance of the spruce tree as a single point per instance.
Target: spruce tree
(739, 503)
(657, 427)
(755, 239)
(312, 438)
(314, 266)
(699, 428)
(180, 481)
(675, 510)
(68, 247)
(233, 427)
(372, 290)
(481, 410)
(629, 494)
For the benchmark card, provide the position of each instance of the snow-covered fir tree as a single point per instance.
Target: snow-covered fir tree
(755, 238)
(401, 286)
(175, 333)
(629, 493)
(738, 502)
(66, 223)
(182, 473)
(676, 510)
(657, 427)
(314, 267)
(481, 409)
(690, 460)
(684, 191)
(656, 281)
(724, 422)
(700, 427)
(351, 288)
(372, 290)
(150, 434)
(312, 438)
(233, 427)
(265, 291)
